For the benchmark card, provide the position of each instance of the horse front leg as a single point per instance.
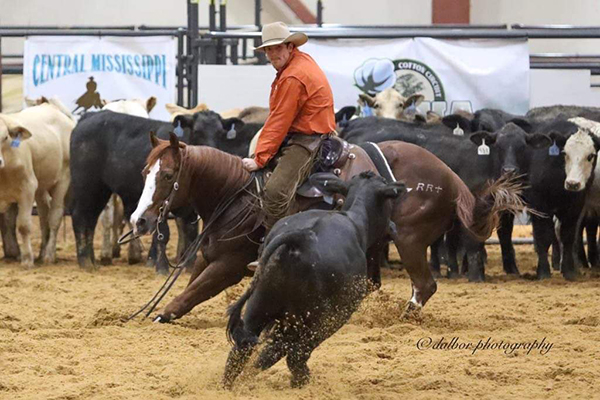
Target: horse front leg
(221, 273)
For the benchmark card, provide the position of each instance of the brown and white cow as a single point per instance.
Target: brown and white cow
(34, 166)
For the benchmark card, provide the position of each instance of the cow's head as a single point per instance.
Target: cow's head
(161, 174)
(389, 103)
(12, 133)
(509, 147)
(580, 152)
(138, 107)
(207, 128)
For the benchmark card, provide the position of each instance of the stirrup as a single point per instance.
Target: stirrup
(252, 266)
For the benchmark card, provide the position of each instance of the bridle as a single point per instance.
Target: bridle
(163, 211)
(189, 253)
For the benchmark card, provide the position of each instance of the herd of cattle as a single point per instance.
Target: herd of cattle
(94, 166)
(99, 159)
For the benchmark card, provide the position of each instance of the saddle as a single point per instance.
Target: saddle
(332, 154)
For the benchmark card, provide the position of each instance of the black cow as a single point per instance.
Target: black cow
(312, 276)
(231, 135)
(550, 113)
(108, 153)
(546, 193)
(507, 155)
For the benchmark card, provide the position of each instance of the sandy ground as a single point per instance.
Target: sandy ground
(62, 337)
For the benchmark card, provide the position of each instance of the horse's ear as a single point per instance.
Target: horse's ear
(174, 140)
(153, 139)
(329, 184)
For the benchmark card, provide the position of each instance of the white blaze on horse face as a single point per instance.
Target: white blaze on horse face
(579, 160)
(147, 195)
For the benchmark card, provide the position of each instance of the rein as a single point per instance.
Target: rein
(192, 249)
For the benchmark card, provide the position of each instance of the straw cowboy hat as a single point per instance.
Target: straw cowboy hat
(278, 33)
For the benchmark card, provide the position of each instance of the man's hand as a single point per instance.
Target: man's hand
(249, 164)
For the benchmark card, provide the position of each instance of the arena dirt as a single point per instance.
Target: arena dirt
(62, 336)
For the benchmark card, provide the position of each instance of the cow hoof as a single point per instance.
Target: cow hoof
(49, 260)
(28, 264)
(299, 381)
(572, 276)
(543, 275)
(105, 260)
(453, 275)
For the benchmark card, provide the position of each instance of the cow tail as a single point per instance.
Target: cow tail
(236, 331)
(481, 214)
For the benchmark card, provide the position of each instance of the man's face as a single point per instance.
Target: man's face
(279, 54)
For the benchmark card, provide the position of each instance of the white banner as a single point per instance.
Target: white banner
(451, 74)
(84, 70)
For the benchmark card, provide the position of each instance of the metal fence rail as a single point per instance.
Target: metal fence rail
(231, 44)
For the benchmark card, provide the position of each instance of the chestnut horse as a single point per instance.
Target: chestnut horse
(204, 177)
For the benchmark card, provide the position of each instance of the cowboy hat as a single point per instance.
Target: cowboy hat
(278, 33)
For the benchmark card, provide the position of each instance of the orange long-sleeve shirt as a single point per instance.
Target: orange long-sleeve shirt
(301, 101)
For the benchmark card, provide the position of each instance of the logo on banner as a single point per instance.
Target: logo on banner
(407, 76)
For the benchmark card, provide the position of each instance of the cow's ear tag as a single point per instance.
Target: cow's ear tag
(458, 131)
(367, 111)
(16, 141)
(178, 129)
(231, 133)
(483, 150)
(553, 150)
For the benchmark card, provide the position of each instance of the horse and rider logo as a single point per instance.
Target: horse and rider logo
(407, 76)
(91, 98)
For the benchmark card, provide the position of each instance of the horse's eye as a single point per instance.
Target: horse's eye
(168, 176)
(591, 157)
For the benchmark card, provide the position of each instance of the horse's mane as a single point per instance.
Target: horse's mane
(155, 154)
(210, 161)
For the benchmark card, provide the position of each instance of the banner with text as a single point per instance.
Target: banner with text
(451, 74)
(85, 71)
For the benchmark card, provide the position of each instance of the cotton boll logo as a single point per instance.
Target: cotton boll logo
(375, 75)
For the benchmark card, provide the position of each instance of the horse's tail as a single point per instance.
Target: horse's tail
(481, 214)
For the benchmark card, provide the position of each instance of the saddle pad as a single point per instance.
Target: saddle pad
(379, 160)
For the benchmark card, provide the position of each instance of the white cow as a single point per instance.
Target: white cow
(113, 215)
(34, 166)
(389, 103)
(138, 107)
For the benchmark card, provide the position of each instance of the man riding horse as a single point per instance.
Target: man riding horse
(300, 113)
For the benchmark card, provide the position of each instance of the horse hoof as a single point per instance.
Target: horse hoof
(413, 313)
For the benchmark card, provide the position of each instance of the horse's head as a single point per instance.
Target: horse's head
(162, 174)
